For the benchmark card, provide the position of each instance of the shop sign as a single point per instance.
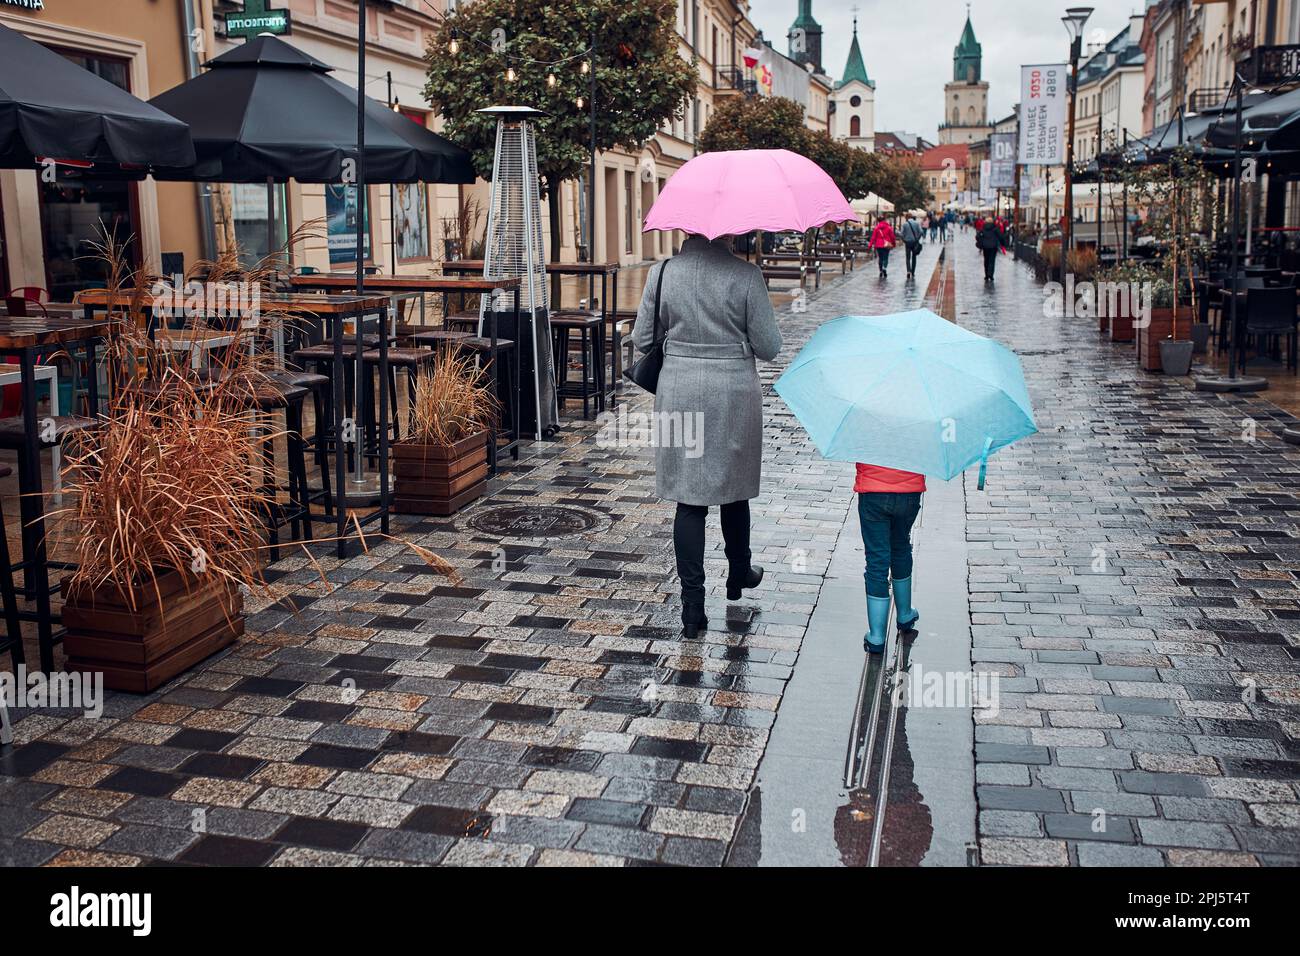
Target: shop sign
(25, 4)
(257, 19)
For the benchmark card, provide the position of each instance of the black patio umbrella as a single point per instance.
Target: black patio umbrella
(269, 111)
(1271, 121)
(50, 108)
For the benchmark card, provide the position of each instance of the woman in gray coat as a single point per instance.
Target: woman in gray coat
(717, 319)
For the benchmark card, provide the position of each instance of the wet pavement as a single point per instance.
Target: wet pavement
(1134, 579)
(545, 710)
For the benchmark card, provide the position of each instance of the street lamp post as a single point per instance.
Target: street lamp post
(1075, 18)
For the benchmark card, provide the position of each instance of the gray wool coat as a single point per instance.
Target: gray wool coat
(709, 405)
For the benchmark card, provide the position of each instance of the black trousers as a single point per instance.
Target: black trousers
(913, 253)
(688, 541)
(990, 261)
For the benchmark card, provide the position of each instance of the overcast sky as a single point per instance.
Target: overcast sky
(907, 46)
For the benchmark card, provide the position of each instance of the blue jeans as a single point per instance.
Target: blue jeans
(887, 518)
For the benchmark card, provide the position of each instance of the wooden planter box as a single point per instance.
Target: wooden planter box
(439, 479)
(170, 629)
(1121, 327)
(1162, 324)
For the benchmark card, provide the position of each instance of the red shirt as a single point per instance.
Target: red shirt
(879, 478)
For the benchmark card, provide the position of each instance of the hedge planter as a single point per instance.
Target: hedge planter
(439, 479)
(1159, 329)
(173, 625)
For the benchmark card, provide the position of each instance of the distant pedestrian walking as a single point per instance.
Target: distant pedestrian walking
(882, 240)
(989, 241)
(934, 226)
(911, 235)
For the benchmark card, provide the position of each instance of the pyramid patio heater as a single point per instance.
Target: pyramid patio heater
(514, 248)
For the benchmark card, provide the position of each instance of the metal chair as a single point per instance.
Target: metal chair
(1270, 317)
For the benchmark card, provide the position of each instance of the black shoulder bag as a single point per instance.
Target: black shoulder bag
(645, 370)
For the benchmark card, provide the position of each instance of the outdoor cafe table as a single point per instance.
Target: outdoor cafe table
(446, 285)
(608, 274)
(333, 313)
(24, 337)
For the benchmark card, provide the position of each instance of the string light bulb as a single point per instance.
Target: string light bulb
(550, 80)
(579, 102)
(454, 46)
(510, 74)
(586, 67)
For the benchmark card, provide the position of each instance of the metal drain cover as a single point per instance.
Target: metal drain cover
(534, 521)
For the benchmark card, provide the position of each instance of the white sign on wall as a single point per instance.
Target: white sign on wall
(1043, 106)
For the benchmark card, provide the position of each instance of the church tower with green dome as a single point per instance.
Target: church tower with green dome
(966, 98)
(853, 117)
(805, 38)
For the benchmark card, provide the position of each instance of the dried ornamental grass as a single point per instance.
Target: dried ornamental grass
(452, 401)
(170, 481)
(167, 485)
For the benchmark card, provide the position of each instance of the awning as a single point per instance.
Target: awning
(51, 108)
(267, 110)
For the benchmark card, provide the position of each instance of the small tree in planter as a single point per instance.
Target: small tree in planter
(442, 464)
(1180, 197)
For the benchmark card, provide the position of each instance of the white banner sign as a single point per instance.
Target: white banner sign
(1043, 107)
(987, 191)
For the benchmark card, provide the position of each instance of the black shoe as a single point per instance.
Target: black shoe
(693, 621)
(750, 578)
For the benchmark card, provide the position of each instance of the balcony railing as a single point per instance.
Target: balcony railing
(734, 78)
(1272, 65)
(1206, 101)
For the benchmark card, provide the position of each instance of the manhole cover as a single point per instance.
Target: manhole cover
(536, 521)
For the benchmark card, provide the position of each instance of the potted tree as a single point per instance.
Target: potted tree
(1181, 204)
(442, 464)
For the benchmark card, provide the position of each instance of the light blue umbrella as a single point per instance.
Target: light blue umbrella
(910, 391)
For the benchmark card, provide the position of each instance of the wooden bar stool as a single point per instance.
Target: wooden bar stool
(267, 398)
(35, 561)
(319, 387)
(13, 639)
(410, 359)
(590, 327)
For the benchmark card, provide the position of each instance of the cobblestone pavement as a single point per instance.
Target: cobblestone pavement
(544, 710)
(1135, 580)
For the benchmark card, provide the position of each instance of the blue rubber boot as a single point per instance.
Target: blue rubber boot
(878, 621)
(906, 615)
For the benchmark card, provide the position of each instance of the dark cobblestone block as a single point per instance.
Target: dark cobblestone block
(1011, 753)
(1209, 836)
(1101, 827)
(1019, 798)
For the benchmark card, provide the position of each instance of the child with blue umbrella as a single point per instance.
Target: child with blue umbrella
(905, 397)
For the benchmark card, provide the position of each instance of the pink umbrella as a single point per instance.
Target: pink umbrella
(737, 191)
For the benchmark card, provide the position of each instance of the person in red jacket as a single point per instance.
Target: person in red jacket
(882, 240)
(888, 503)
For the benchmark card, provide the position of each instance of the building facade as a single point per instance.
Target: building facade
(854, 119)
(148, 46)
(966, 97)
(946, 171)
